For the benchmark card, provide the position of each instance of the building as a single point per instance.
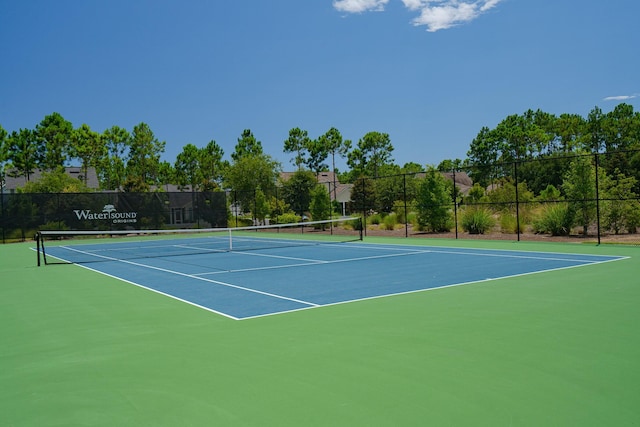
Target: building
(11, 184)
(338, 192)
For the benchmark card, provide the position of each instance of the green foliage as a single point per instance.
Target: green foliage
(88, 146)
(320, 205)
(484, 152)
(188, 170)
(449, 165)
(23, 153)
(296, 191)
(477, 220)
(580, 188)
(298, 143)
(504, 196)
(247, 145)
(555, 218)
(249, 173)
(4, 151)
(544, 171)
(412, 218)
(261, 206)
(143, 165)
(390, 221)
(362, 195)
(288, 218)
(212, 165)
(355, 224)
(373, 150)
(277, 206)
(399, 210)
(329, 143)
(374, 219)
(433, 203)
(620, 211)
(549, 194)
(111, 168)
(509, 223)
(55, 225)
(475, 195)
(632, 218)
(54, 135)
(387, 191)
(56, 181)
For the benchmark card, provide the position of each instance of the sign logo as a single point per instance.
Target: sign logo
(109, 213)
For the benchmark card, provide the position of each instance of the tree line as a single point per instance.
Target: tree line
(131, 160)
(543, 143)
(533, 152)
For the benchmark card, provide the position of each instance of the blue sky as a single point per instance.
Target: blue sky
(430, 73)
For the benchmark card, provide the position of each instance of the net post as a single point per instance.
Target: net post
(230, 241)
(44, 253)
(37, 237)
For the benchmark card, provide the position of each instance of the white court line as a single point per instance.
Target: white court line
(452, 285)
(311, 262)
(428, 249)
(502, 253)
(191, 276)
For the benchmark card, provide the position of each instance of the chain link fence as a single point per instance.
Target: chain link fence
(590, 197)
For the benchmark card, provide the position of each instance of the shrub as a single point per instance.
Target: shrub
(374, 219)
(320, 205)
(555, 219)
(354, 224)
(633, 218)
(55, 225)
(504, 196)
(245, 221)
(509, 222)
(390, 221)
(16, 235)
(433, 202)
(549, 194)
(477, 220)
(288, 218)
(398, 209)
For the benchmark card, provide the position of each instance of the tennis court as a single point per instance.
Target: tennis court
(265, 273)
(380, 332)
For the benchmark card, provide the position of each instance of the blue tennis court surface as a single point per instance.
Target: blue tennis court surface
(242, 285)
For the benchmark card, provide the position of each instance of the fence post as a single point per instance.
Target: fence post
(2, 206)
(364, 207)
(597, 197)
(515, 172)
(235, 205)
(455, 201)
(404, 196)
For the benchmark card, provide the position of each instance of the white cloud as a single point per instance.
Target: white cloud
(622, 97)
(443, 14)
(415, 4)
(434, 14)
(358, 6)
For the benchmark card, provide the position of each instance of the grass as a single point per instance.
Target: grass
(556, 348)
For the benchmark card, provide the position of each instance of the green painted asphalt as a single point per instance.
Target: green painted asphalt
(555, 348)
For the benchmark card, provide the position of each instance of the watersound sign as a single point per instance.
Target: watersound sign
(109, 213)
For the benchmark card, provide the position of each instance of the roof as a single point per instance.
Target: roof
(342, 191)
(12, 184)
(462, 180)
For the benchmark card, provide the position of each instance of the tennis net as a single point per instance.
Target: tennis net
(79, 246)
